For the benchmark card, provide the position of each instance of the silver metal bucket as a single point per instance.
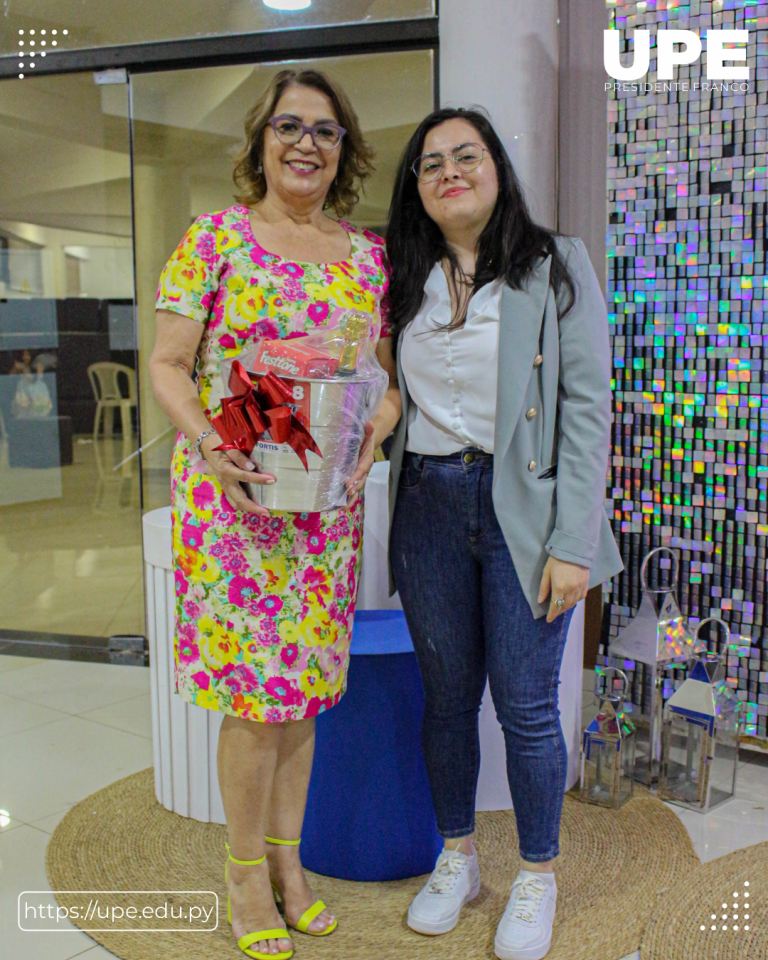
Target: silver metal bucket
(338, 410)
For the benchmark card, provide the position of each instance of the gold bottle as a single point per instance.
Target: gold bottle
(355, 329)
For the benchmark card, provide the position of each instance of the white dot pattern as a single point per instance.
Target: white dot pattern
(735, 927)
(31, 43)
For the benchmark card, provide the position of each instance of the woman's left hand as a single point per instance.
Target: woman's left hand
(365, 461)
(565, 580)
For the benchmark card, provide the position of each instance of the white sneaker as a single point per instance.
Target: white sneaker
(525, 930)
(454, 882)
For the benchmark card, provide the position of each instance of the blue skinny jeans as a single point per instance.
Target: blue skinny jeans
(469, 622)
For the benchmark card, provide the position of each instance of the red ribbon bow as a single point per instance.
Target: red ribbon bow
(252, 411)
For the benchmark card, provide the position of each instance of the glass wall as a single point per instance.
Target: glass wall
(70, 491)
(187, 124)
(70, 546)
(42, 27)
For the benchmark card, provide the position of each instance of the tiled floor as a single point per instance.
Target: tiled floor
(68, 729)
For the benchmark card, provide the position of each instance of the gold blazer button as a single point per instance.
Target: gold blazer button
(531, 466)
(538, 360)
(530, 414)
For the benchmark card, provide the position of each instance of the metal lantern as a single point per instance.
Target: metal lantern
(657, 637)
(700, 738)
(608, 746)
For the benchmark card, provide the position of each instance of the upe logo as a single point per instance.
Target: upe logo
(669, 57)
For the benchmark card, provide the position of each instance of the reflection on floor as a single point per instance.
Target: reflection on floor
(66, 730)
(72, 563)
(69, 729)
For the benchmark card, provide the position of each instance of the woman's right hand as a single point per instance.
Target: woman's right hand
(233, 468)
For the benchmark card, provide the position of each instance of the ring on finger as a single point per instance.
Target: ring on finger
(559, 603)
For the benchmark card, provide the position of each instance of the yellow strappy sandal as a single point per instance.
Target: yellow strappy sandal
(247, 939)
(309, 915)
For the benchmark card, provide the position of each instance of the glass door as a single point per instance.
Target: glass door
(70, 531)
(76, 330)
(186, 125)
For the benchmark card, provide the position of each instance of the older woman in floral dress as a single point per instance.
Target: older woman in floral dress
(265, 600)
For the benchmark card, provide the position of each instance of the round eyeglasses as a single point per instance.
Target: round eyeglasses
(325, 135)
(465, 158)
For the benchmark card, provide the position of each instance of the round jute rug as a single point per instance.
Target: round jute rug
(734, 886)
(612, 867)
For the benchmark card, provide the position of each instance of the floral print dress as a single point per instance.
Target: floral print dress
(264, 604)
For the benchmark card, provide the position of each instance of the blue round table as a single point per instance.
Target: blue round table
(369, 809)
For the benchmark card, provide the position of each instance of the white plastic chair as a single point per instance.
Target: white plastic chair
(105, 381)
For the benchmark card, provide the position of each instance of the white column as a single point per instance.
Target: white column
(161, 205)
(503, 54)
(582, 195)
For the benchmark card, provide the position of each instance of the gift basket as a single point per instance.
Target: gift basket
(297, 407)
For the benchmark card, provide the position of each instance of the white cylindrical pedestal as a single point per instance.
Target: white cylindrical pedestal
(185, 737)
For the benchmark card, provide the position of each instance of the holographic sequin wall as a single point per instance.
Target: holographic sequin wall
(688, 308)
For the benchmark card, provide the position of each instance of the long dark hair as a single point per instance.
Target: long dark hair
(509, 246)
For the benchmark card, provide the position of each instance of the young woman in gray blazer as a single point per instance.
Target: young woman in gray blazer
(497, 483)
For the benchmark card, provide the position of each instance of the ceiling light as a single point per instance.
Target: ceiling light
(288, 4)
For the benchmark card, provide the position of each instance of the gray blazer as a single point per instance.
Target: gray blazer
(552, 434)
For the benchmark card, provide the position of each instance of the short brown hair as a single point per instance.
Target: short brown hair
(355, 162)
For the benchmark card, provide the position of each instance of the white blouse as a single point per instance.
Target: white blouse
(451, 375)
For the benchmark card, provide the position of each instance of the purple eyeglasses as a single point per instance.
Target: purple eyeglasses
(325, 135)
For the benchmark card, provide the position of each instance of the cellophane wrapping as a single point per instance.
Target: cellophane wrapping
(332, 384)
